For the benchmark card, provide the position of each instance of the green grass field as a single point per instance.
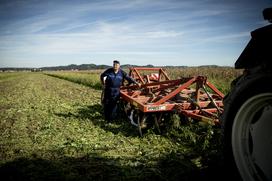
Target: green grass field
(52, 128)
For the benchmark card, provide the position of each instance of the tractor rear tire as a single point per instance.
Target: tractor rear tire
(247, 128)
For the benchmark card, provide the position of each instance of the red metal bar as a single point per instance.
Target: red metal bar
(202, 104)
(137, 69)
(172, 84)
(165, 74)
(133, 101)
(197, 91)
(176, 91)
(147, 78)
(215, 89)
(145, 68)
(139, 76)
(176, 82)
(197, 116)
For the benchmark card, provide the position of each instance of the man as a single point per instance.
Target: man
(112, 79)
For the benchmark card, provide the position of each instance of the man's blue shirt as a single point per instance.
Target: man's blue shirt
(113, 82)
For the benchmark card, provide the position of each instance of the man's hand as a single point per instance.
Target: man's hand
(139, 85)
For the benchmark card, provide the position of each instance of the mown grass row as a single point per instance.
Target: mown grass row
(91, 79)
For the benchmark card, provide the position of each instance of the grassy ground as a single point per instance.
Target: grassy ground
(53, 129)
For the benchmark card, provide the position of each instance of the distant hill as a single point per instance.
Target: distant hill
(88, 67)
(69, 67)
(77, 67)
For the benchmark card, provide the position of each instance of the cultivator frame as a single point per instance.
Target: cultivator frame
(188, 96)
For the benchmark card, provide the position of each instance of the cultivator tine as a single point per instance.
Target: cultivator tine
(211, 99)
(157, 122)
(139, 127)
(131, 118)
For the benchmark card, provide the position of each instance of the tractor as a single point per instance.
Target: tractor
(247, 117)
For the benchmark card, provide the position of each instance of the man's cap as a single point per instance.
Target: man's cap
(116, 61)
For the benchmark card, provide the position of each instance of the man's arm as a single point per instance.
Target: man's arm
(129, 79)
(103, 77)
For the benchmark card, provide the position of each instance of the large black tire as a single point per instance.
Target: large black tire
(244, 144)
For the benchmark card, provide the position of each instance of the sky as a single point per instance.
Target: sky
(39, 33)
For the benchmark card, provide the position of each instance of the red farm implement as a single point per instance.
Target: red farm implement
(190, 97)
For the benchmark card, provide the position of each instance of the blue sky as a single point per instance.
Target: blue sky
(36, 33)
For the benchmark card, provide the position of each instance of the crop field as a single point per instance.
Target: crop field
(52, 128)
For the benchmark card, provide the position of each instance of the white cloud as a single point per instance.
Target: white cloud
(140, 28)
